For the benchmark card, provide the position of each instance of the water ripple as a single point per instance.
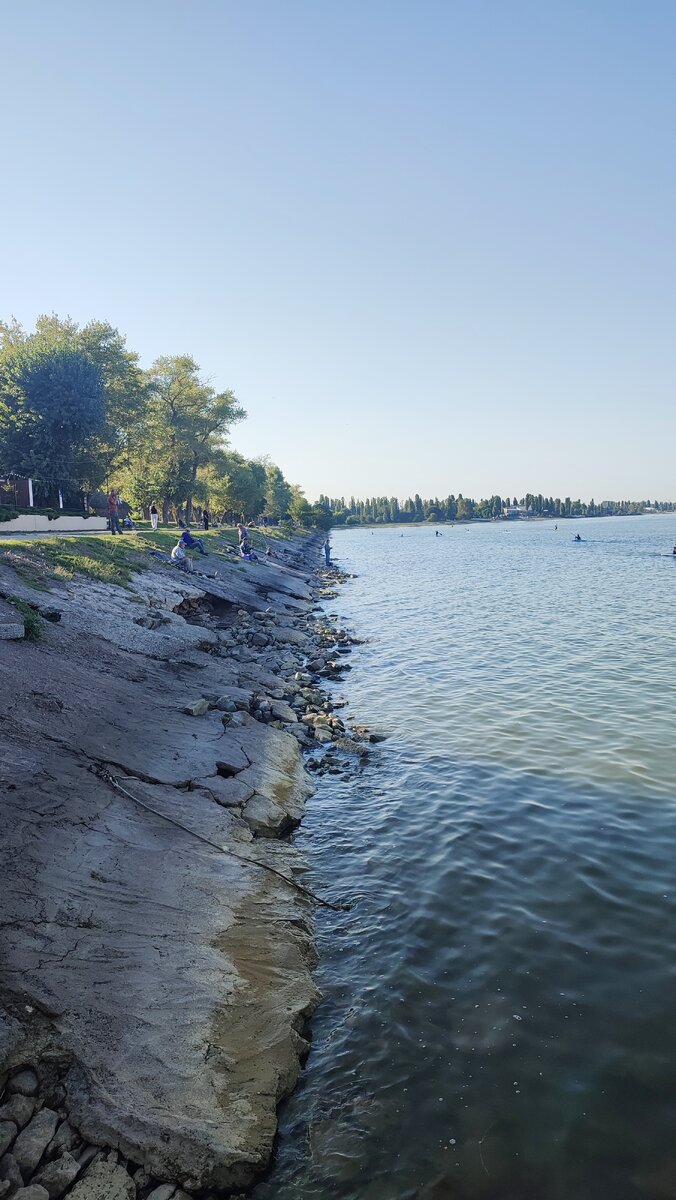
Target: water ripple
(500, 1012)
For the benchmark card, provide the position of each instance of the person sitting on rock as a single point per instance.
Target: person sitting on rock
(191, 542)
(180, 559)
(247, 552)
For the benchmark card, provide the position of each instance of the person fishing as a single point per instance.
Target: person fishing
(327, 552)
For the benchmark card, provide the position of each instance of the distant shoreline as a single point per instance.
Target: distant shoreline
(438, 521)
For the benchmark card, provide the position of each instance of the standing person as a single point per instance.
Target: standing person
(242, 533)
(327, 552)
(205, 518)
(154, 517)
(113, 518)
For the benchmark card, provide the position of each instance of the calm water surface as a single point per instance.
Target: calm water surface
(500, 1004)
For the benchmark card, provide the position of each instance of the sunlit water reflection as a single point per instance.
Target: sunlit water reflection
(500, 1004)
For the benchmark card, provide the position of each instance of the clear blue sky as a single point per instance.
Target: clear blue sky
(431, 246)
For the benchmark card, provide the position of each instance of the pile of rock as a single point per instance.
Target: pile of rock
(44, 1157)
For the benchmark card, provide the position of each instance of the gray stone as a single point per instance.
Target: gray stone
(351, 747)
(11, 1037)
(290, 637)
(226, 704)
(34, 1192)
(11, 633)
(283, 712)
(259, 639)
(9, 1169)
(64, 1139)
(230, 793)
(265, 817)
(24, 1082)
(230, 757)
(323, 735)
(164, 1192)
(5, 1187)
(87, 1154)
(18, 1108)
(197, 708)
(34, 1139)
(8, 1132)
(316, 665)
(105, 1181)
(58, 1175)
(239, 720)
(299, 732)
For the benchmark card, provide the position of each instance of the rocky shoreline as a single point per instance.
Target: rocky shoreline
(156, 942)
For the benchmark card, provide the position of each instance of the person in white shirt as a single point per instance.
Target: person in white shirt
(180, 558)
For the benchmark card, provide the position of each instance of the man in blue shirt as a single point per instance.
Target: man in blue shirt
(191, 542)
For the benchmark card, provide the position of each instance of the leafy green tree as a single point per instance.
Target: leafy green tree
(184, 425)
(52, 409)
(124, 383)
(299, 508)
(277, 493)
(234, 484)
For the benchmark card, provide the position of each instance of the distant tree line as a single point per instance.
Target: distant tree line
(389, 510)
(79, 414)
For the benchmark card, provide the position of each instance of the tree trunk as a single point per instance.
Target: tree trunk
(188, 510)
(166, 505)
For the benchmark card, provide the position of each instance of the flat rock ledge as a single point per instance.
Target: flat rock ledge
(155, 978)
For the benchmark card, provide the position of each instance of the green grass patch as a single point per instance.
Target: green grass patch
(28, 567)
(32, 621)
(103, 558)
(114, 559)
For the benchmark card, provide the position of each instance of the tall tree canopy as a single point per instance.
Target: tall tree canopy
(124, 383)
(184, 424)
(77, 408)
(52, 412)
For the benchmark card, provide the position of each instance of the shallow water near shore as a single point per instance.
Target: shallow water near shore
(499, 1017)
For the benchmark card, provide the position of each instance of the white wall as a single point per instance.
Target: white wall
(40, 524)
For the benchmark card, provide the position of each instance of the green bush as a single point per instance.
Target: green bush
(32, 622)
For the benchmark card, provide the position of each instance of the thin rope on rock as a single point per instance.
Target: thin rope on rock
(252, 862)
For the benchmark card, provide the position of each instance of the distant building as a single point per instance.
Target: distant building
(512, 512)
